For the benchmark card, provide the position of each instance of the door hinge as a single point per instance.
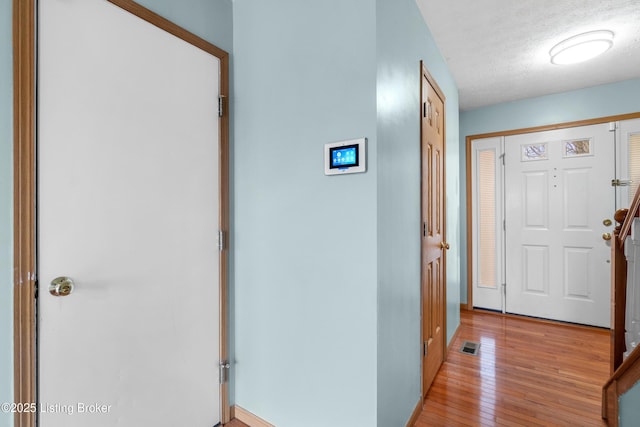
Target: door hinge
(425, 349)
(224, 371)
(221, 240)
(502, 156)
(620, 182)
(504, 290)
(504, 224)
(424, 228)
(220, 106)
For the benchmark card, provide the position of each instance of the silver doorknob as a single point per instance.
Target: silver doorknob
(61, 286)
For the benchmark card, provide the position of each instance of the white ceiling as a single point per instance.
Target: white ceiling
(498, 50)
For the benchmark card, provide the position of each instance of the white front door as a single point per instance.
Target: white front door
(557, 194)
(128, 208)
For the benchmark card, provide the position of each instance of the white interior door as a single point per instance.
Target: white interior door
(128, 201)
(558, 192)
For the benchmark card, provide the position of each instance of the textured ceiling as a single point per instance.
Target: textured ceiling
(498, 50)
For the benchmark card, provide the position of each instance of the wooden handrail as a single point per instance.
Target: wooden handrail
(619, 279)
(634, 209)
(618, 292)
(625, 377)
(624, 373)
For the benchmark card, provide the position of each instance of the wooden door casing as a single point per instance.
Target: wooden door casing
(433, 292)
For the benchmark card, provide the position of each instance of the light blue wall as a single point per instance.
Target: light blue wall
(305, 243)
(6, 208)
(629, 404)
(312, 266)
(210, 19)
(594, 102)
(403, 39)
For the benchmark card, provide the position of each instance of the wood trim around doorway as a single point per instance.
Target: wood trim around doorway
(24, 123)
(24, 232)
(468, 152)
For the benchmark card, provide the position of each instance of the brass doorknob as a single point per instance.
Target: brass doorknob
(607, 222)
(61, 286)
(444, 245)
(606, 236)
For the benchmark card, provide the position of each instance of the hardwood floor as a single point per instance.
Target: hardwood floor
(527, 373)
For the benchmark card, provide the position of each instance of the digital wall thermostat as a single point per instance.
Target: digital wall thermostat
(345, 157)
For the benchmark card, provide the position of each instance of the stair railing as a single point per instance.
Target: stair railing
(625, 373)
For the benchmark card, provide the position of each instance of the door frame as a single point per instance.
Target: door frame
(424, 73)
(24, 184)
(469, 182)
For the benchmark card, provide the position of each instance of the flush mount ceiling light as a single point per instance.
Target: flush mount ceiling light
(581, 47)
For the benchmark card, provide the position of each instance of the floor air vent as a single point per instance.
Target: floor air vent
(470, 347)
